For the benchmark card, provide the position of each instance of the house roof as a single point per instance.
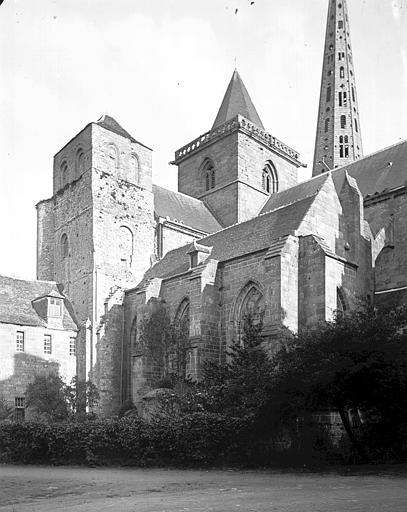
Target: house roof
(237, 101)
(378, 172)
(184, 209)
(16, 296)
(247, 237)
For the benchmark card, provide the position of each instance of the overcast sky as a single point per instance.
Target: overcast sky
(161, 68)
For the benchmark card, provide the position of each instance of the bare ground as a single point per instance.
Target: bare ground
(77, 489)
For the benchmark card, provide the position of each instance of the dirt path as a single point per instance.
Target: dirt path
(29, 488)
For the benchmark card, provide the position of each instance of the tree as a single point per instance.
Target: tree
(6, 410)
(46, 397)
(80, 395)
(239, 387)
(49, 397)
(357, 363)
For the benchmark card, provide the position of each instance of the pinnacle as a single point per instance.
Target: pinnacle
(237, 102)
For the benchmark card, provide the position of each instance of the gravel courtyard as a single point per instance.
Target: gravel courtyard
(30, 488)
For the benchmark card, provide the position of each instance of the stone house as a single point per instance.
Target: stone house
(37, 336)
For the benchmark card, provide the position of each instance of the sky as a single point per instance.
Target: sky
(161, 68)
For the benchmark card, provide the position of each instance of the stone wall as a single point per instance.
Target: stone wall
(389, 214)
(45, 240)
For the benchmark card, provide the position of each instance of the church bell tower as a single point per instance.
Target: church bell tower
(338, 138)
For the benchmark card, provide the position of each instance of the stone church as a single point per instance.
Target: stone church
(240, 235)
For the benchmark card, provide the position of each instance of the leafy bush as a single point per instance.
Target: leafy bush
(199, 438)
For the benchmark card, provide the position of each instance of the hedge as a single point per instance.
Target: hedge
(199, 438)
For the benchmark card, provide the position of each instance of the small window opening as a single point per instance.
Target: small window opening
(19, 408)
(64, 246)
(356, 126)
(342, 72)
(327, 122)
(72, 346)
(340, 24)
(328, 94)
(343, 121)
(20, 341)
(47, 344)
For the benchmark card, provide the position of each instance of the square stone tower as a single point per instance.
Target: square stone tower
(96, 237)
(236, 165)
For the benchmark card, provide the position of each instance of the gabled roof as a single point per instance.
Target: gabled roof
(16, 296)
(109, 123)
(247, 237)
(378, 172)
(296, 193)
(184, 209)
(237, 101)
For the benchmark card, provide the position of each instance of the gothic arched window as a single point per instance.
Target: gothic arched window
(125, 246)
(64, 246)
(79, 162)
(112, 159)
(269, 179)
(341, 72)
(209, 174)
(343, 121)
(178, 354)
(250, 302)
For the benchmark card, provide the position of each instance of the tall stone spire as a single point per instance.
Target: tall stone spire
(338, 139)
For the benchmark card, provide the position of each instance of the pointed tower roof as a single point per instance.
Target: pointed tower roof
(109, 123)
(237, 101)
(338, 139)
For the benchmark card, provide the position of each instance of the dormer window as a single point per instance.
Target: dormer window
(54, 307)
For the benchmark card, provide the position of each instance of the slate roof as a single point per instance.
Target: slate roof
(237, 101)
(247, 237)
(15, 302)
(184, 209)
(109, 123)
(373, 173)
(296, 193)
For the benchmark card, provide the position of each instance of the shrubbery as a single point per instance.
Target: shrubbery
(200, 438)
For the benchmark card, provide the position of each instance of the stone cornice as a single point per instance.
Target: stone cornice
(239, 123)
